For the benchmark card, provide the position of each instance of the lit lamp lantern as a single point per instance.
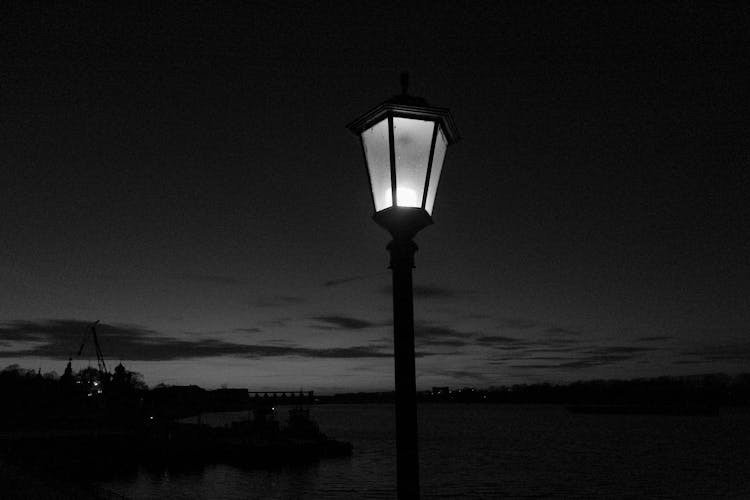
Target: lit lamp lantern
(404, 141)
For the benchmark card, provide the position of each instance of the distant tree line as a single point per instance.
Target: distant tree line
(28, 393)
(694, 390)
(711, 389)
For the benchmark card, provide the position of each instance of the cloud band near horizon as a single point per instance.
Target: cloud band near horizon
(61, 339)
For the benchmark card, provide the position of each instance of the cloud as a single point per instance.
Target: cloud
(529, 346)
(595, 361)
(279, 301)
(591, 361)
(653, 339)
(434, 292)
(554, 342)
(425, 335)
(591, 358)
(213, 279)
(497, 340)
(276, 322)
(427, 331)
(465, 374)
(533, 367)
(248, 330)
(620, 349)
(551, 358)
(342, 352)
(430, 335)
(574, 364)
(723, 352)
(337, 322)
(517, 323)
(349, 279)
(509, 347)
(438, 292)
(64, 338)
(579, 357)
(441, 342)
(283, 342)
(60, 339)
(556, 330)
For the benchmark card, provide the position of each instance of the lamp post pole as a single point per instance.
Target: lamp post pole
(407, 453)
(404, 141)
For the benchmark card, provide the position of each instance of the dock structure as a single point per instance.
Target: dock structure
(184, 401)
(281, 397)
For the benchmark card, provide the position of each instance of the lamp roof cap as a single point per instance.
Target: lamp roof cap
(407, 106)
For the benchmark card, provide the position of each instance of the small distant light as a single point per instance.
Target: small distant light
(273, 408)
(151, 417)
(96, 383)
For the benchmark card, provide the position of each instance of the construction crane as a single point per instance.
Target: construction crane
(99, 356)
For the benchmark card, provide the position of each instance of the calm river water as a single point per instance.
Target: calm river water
(492, 451)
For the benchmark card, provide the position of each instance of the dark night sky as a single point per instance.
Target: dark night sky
(182, 173)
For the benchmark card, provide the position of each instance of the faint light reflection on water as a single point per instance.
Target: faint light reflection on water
(478, 451)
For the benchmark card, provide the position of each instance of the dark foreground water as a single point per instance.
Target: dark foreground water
(492, 451)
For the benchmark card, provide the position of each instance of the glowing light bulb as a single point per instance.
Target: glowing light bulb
(405, 197)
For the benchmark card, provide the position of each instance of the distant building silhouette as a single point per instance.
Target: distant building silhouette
(440, 391)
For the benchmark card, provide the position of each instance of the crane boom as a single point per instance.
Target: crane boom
(99, 355)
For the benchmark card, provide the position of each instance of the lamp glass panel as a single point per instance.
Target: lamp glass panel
(437, 167)
(377, 155)
(412, 148)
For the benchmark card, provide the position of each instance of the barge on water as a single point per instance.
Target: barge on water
(256, 442)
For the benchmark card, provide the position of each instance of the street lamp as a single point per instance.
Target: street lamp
(404, 141)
